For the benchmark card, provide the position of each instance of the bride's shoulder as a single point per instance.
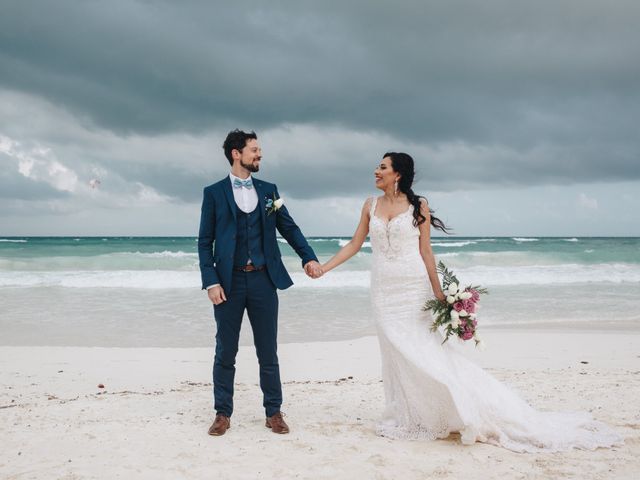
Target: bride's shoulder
(424, 206)
(368, 203)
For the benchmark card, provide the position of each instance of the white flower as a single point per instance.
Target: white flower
(278, 203)
(453, 288)
(455, 322)
(463, 313)
(465, 295)
(450, 299)
(472, 316)
(454, 315)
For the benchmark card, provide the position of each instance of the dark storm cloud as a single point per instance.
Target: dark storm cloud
(549, 91)
(172, 181)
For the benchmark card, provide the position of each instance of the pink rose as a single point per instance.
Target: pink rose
(475, 322)
(458, 306)
(467, 335)
(475, 296)
(469, 306)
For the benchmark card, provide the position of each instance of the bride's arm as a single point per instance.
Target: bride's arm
(353, 247)
(427, 253)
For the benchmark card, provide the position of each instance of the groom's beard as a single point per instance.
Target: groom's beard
(251, 167)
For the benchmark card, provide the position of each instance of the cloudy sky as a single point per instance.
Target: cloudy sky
(522, 116)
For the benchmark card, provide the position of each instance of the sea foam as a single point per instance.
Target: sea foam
(485, 275)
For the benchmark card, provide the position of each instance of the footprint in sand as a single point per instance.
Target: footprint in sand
(377, 460)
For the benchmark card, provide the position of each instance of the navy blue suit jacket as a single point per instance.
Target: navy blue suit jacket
(218, 225)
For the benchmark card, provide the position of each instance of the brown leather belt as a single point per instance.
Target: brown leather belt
(249, 268)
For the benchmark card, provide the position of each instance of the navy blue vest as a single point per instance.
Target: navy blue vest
(249, 238)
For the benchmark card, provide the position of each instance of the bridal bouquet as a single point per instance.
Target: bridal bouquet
(458, 314)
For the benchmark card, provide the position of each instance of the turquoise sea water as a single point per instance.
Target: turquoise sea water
(133, 291)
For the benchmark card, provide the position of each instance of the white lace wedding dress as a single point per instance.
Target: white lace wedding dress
(432, 389)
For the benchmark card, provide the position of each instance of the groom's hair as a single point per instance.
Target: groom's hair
(236, 140)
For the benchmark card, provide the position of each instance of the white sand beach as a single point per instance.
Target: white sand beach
(150, 420)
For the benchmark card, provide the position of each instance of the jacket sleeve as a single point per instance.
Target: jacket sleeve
(206, 237)
(292, 234)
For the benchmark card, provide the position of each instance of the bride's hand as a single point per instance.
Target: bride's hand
(441, 296)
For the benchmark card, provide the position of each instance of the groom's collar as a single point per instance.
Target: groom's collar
(232, 177)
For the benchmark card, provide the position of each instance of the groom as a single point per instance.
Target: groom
(243, 271)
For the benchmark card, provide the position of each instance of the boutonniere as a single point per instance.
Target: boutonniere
(273, 204)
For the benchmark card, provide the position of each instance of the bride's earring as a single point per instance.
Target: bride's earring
(396, 188)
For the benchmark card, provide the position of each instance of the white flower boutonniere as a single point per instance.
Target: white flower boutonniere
(273, 204)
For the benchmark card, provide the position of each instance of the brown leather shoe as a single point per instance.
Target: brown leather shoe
(277, 424)
(220, 425)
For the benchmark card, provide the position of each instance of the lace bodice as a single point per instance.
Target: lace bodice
(395, 238)
(396, 250)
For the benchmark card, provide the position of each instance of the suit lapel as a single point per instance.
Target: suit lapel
(228, 192)
(257, 184)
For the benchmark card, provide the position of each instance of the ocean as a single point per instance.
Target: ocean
(145, 291)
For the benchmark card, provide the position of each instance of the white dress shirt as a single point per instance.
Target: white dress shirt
(246, 199)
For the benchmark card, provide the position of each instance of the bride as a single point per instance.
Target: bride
(431, 389)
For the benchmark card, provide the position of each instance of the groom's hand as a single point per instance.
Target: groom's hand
(313, 269)
(216, 295)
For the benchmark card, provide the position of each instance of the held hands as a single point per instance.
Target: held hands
(313, 269)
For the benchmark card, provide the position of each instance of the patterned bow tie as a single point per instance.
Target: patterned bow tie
(237, 183)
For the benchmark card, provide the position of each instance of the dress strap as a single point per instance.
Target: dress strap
(374, 200)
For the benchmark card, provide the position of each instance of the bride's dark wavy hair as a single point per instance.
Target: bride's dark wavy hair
(402, 163)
